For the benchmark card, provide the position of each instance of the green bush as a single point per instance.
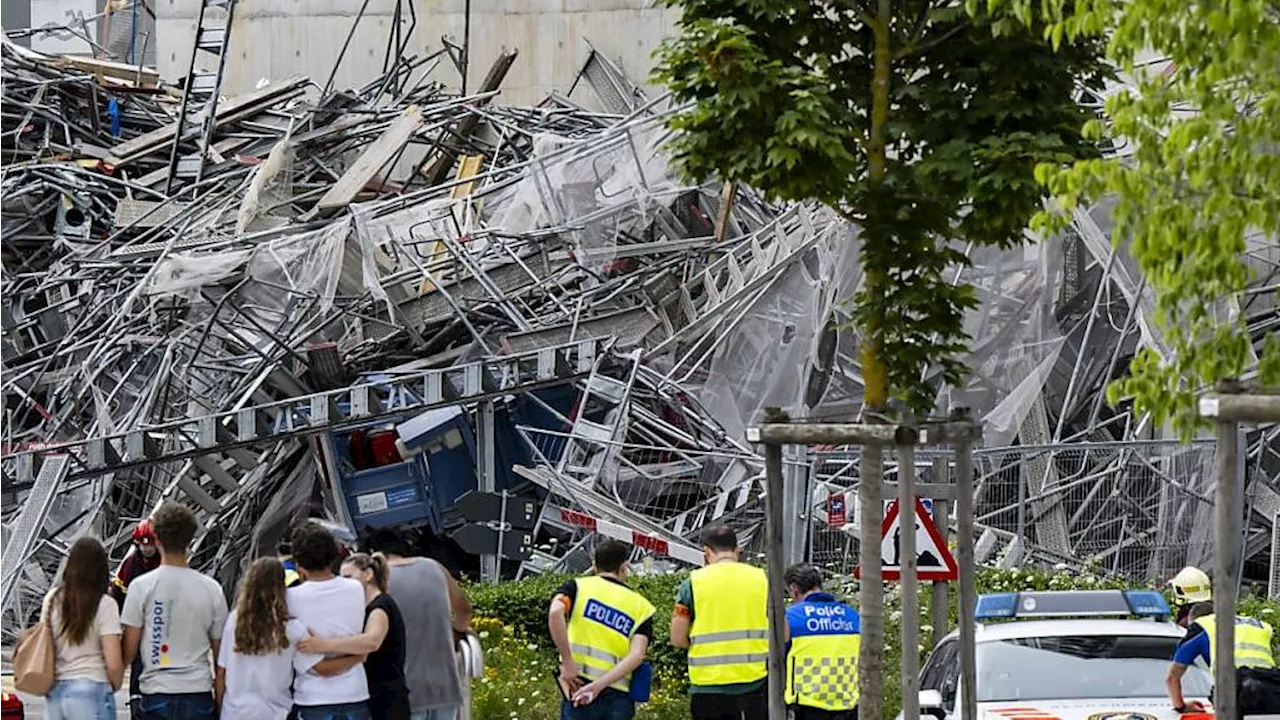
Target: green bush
(524, 605)
(521, 657)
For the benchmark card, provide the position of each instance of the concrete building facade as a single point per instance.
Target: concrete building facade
(278, 38)
(274, 39)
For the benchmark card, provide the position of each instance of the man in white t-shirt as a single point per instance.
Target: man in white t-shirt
(173, 616)
(329, 606)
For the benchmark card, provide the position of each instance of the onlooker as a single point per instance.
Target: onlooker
(142, 558)
(174, 615)
(382, 641)
(437, 614)
(89, 662)
(602, 629)
(329, 607)
(258, 656)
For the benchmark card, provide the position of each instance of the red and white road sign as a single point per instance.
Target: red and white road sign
(652, 543)
(933, 558)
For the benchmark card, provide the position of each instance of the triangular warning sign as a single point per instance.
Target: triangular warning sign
(933, 559)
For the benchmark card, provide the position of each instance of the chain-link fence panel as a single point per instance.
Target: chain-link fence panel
(1141, 510)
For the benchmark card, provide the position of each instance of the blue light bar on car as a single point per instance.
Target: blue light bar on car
(1075, 603)
(990, 607)
(1147, 603)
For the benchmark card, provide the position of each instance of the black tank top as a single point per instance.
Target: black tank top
(384, 667)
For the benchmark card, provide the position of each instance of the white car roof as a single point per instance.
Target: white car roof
(1018, 629)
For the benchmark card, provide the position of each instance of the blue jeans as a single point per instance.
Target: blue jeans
(342, 711)
(611, 705)
(444, 713)
(177, 706)
(80, 700)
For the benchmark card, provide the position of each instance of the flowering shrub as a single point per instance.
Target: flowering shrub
(511, 619)
(517, 680)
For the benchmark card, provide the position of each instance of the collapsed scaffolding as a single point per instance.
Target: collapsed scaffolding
(216, 320)
(194, 331)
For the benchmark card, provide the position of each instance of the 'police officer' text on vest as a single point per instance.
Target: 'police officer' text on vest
(826, 619)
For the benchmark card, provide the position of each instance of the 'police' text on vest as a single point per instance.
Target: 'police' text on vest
(611, 618)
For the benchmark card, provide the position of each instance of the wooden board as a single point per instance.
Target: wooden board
(137, 75)
(467, 169)
(373, 159)
(232, 109)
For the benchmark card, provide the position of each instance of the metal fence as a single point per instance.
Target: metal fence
(1141, 510)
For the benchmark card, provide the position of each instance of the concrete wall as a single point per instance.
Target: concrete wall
(55, 14)
(278, 38)
(16, 15)
(60, 13)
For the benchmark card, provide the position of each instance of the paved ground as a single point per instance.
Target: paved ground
(35, 705)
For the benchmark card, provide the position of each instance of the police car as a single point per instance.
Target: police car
(1107, 663)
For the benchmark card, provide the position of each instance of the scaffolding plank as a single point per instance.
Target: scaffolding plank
(373, 159)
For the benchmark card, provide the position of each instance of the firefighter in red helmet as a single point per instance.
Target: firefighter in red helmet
(142, 558)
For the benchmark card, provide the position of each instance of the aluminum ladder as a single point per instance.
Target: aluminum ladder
(25, 533)
(196, 114)
(591, 448)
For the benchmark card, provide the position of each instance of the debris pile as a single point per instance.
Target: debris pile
(508, 326)
(369, 303)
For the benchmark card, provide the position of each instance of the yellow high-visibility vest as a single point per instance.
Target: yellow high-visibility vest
(729, 638)
(290, 577)
(604, 618)
(1253, 641)
(822, 665)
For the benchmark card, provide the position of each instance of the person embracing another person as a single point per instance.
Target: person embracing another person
(437, 616)
(328, 606)
(382, 643)
(259, 654)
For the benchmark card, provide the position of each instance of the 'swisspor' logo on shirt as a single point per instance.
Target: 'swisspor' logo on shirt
(159, 634)
(612, 618)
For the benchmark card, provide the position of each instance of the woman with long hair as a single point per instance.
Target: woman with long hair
(84, 619)
(382, 642)
(258, 654)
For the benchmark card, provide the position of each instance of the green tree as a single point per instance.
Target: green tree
(1204, 177)
(917, 120)
(921, 123)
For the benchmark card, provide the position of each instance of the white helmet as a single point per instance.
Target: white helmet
(1191, 585)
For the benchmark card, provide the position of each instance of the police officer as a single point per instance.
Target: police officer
(1190, 586)
(602, 629)
(721, 616)
(284, 553)
(1257, 681)
(822, 654)
(142, 558)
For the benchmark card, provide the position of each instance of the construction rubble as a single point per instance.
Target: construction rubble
(343, 266)
(363, 304)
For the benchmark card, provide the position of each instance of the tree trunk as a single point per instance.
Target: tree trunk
(875, 393)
